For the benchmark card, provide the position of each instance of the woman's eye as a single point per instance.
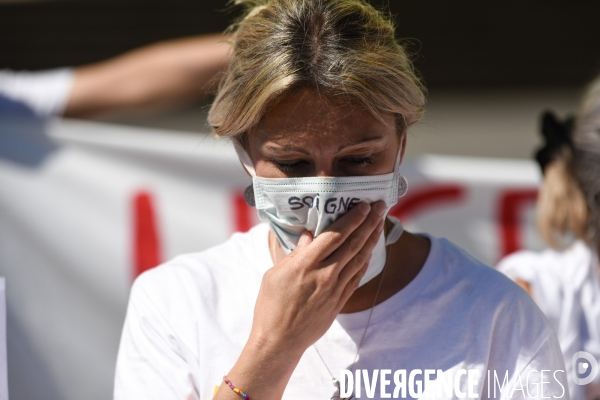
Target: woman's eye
(286, 167)
(360, 160)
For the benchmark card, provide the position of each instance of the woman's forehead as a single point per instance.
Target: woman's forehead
(308, 114)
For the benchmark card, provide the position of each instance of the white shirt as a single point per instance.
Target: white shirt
(566, 287)
(189, 319)
(45, 92)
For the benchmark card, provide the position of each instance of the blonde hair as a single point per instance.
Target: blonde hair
(568, 204)
(345, 49)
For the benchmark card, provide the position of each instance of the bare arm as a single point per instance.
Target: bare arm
(298, 300)
(158, 75)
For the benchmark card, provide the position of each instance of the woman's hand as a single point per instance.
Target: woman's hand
(300, 297)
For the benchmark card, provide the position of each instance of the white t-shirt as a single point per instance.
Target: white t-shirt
(566, 287)
(45, 92)
(189, 319)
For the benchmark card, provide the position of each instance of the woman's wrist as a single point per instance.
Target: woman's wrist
(262, 370)
(274, 346)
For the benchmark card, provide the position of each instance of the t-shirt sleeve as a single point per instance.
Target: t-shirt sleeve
(543, 376)
(45, 92)
(525, 360)
(151, 363)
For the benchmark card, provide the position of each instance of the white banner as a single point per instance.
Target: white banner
(84, 212)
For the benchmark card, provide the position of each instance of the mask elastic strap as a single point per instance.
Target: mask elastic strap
(394, 234)
(397, 165)
(244, 157)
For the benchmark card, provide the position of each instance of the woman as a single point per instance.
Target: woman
(328, 298)
(565, 281)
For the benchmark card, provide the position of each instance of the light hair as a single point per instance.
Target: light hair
(345, 49)
(568, 204)
(562, 210)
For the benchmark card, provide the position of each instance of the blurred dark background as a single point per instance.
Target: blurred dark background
(460, 44)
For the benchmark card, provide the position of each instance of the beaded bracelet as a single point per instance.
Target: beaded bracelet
(236, 390)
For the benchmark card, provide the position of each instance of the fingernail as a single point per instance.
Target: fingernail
(303, 239)
(364, 208)
(379, 208)
(379, 226)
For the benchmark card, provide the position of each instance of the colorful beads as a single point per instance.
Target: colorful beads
(235, 390)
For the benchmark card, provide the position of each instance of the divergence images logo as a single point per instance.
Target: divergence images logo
(585, 368)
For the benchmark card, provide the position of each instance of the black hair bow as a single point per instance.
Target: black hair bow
(556, 135)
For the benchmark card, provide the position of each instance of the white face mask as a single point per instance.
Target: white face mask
(292, 205)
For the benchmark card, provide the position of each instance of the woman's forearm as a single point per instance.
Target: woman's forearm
(263, 370)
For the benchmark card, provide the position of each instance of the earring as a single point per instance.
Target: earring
(249, 196)
(402, 186)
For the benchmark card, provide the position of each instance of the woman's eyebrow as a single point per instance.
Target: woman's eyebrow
(361, 141)
(288, 148)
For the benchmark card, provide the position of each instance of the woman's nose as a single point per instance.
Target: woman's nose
(324, 173)
(324, 169)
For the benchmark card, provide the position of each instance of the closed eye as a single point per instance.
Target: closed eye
(359, 160)
(287, 167)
